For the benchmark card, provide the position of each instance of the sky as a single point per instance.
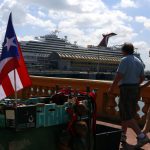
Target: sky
(83, 21)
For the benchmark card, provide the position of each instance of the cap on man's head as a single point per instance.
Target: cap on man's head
(128, 48)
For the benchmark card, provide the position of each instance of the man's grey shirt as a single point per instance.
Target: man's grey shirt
(132, 69)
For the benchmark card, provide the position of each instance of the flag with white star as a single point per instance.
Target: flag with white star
(10, 55)
(13, 73)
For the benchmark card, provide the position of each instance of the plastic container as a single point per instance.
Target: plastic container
(2, 120)
(107, 138)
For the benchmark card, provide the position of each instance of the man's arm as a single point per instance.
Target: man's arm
(141, 79)
(118, 77)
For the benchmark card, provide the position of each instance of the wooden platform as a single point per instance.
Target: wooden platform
(131, 137)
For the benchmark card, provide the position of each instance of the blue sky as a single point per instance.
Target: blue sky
(83, 21)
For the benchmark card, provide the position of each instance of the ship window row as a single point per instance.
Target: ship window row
(88, 53)
(71, 49)
(102, 57)
(86, 57)
(40, 46)
(78, 56)
(45, 43)
(49, 39)
(79, 52)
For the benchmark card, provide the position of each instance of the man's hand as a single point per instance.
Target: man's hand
(110, 91)
(144, 85)
(118, 77)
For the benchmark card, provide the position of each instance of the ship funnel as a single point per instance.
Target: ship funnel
(104, 41)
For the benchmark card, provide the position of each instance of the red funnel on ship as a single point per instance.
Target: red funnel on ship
(104, 41)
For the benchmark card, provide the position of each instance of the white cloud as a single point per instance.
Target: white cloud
(143, 49)
(61, 15)
(2, 32)
(142, 46)
(93, 25)
(126, 4)
(144, 20)
(37, 22)
(52, 4)
(17, 9)
(25, 38)
(92, 5)
(73, 2)
(41, 14)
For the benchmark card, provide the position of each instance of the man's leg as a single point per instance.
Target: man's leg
(147, 124)
(133, 125)
(124, 126)
(142, 139)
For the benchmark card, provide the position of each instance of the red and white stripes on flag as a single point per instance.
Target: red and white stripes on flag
(8, 87)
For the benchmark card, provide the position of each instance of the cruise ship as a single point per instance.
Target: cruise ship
(54, 56)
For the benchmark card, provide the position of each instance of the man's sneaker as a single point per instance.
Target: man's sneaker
(142, 141)
(123, 138)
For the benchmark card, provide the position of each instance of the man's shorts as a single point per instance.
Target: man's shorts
(129, 95)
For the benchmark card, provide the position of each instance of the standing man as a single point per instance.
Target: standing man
(129, 75)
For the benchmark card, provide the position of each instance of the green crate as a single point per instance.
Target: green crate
(40, 116)
(63, 116)
(56, 114)
(51, 115)
(2, 121)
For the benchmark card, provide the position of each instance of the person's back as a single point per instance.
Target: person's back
(131, 68)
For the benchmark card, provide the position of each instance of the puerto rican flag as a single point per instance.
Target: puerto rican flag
(12, 64)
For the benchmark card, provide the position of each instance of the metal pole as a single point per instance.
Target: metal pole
(15, 86)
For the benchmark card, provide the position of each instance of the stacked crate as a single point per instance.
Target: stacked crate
(40, 116)
(51, 114)
(21, 117)
(35, 115)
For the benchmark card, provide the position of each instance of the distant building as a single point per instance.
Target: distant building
(80, 62)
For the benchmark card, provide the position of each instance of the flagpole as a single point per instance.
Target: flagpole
(15, 87)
